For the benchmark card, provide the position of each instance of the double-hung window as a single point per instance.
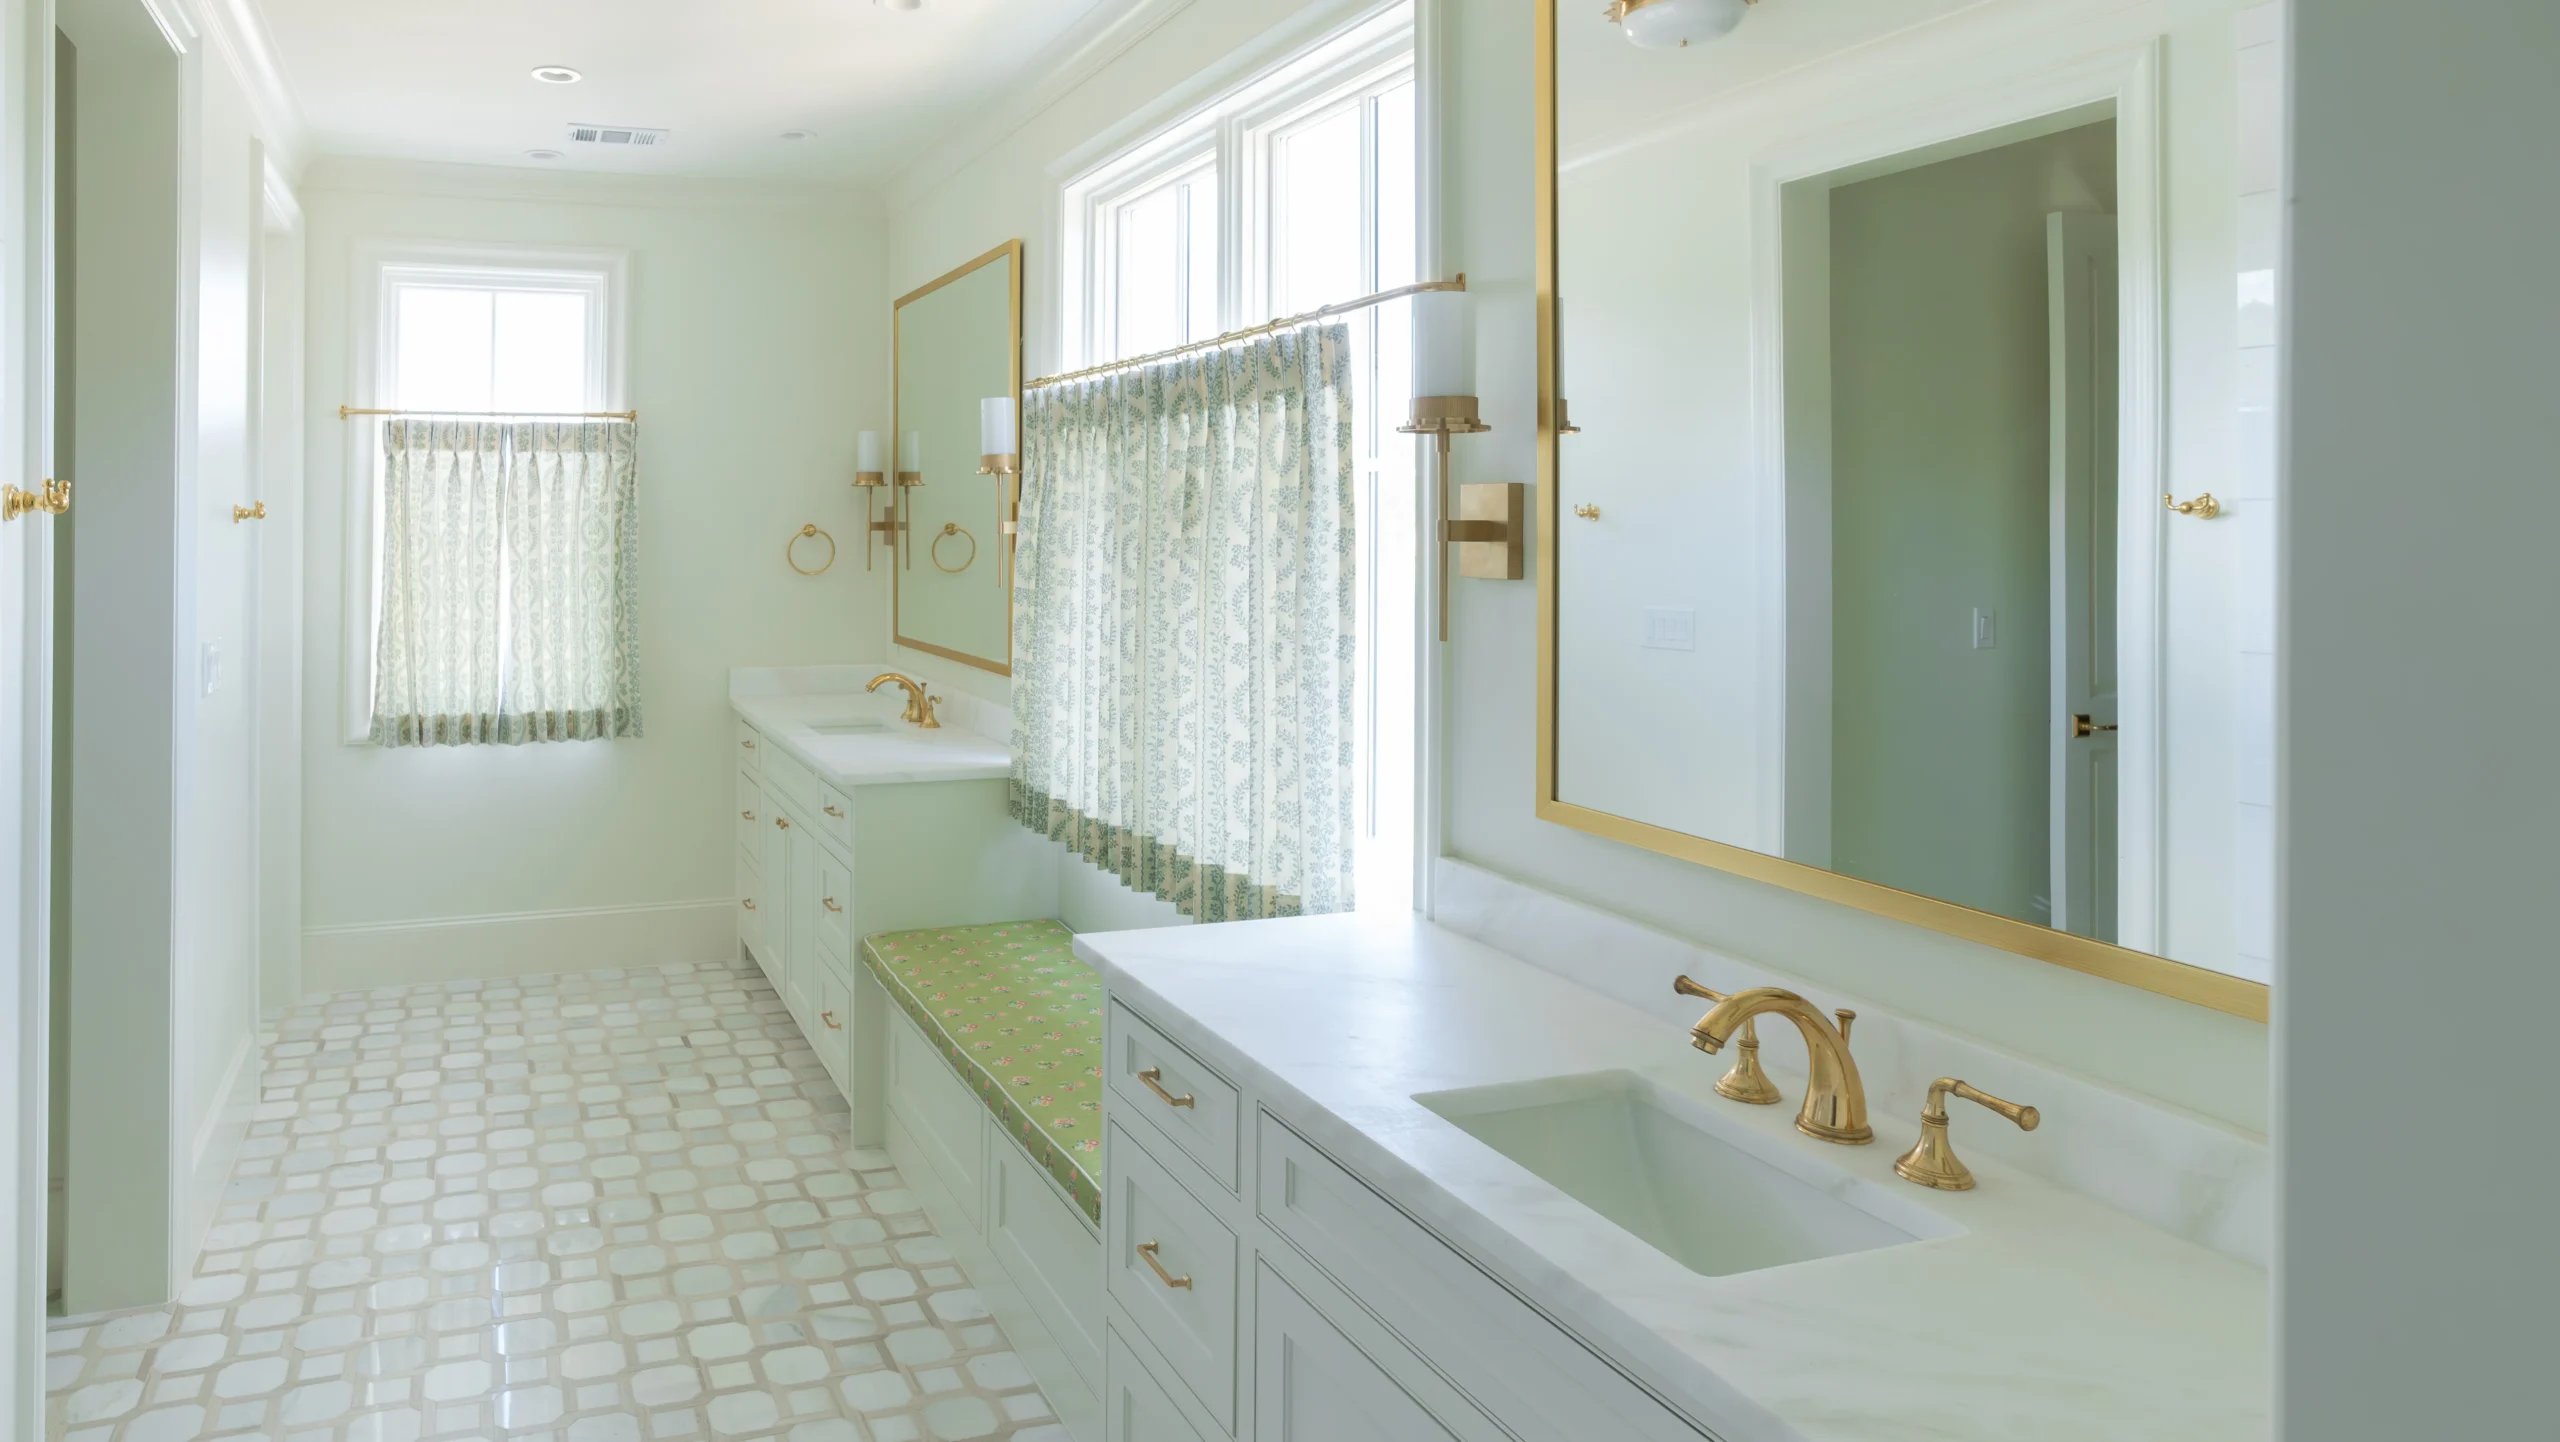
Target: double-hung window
(1296, 191)
(491, 506)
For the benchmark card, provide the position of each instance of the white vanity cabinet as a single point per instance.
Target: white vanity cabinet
(1258, 1291)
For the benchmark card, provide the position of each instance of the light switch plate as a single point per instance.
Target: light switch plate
(209, 666)
(1669, 628)
(1986, 628)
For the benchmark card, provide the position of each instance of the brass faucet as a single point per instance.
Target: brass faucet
(919, 710)
(1835, 1100)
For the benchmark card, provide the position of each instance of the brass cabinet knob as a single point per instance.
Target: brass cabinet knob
(1932, 1160)
(782, 823)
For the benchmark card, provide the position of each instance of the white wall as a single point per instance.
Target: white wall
(2416, 988)
(2209, 1062)
(759, 345)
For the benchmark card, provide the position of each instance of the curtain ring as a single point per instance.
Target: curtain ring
(950, 529)
(804, 533)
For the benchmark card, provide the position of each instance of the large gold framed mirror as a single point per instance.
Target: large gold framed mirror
(958, 343)
(1854, 569)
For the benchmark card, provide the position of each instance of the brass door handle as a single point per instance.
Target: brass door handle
(1147, 1253)
(829, 903)
(51, 498)
(831, 811)
(2203, 507)
(1588, 513)
(2083, 727)
(1154, 1078)
(257, 512)
(830, 1019)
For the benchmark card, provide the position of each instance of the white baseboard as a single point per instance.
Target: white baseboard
(527, 943)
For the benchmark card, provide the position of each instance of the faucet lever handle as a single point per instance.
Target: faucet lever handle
(1846, 1017)
(1683, 986)
(1932, 1160)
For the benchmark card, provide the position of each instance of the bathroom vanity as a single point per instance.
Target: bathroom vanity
(1372, 1179)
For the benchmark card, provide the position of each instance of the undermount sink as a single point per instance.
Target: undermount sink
(1716, 1199)
(847, 728)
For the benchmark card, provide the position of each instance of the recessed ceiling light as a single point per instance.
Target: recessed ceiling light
(799, 135)
(542, 154)
(556, 75)
(899, 4)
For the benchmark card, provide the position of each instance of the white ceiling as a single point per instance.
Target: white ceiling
(450, 80)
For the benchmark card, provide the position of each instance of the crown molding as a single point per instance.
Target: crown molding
(457, 181)
(1108, 33)
(238, 32)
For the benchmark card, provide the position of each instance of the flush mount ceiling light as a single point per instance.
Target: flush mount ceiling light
(1672, 24)
(542, 155)
(556, 75)
(899, 4)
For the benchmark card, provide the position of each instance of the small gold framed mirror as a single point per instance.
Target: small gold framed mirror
(958, 343)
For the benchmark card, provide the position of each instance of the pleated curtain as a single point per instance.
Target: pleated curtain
(1184, 620)
(509, 609)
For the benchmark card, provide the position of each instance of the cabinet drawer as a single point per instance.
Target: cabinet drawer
(832, 907)
(945, 1118)
(1190, 1103)
(750, 747)
(751, 909)
(787, 783)
(835, 814)
(751, 818)
(833, 1037)
(1135, 1406)
(1313, 1384)
(1049, 1252)
(1180, 1291)
(1541, 1381)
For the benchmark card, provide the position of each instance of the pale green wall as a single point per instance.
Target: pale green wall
(1939, 481)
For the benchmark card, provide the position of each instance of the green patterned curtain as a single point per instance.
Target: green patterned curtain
(1183, 626)
(509, 583)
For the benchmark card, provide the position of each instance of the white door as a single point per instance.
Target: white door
(2080, 253)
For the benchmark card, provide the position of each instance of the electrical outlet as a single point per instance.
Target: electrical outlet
(1667, 629)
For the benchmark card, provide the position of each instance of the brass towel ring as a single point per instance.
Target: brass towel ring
(804, 533)
(950, 529)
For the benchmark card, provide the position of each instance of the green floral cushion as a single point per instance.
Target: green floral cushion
(1021, 1020)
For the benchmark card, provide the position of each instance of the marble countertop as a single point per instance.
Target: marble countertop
(2045, 1315)
(787, 706)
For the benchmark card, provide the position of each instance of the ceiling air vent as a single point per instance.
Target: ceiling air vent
(638, 137)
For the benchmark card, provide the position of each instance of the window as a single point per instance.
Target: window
(1296, 191)
(461, 334)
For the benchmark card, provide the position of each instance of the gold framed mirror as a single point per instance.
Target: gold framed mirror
(958, 347)
(1771, 481)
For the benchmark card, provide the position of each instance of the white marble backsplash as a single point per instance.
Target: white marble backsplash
(2196, 1178)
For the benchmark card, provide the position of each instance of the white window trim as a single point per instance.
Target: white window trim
(1231, 128)
(604, 274)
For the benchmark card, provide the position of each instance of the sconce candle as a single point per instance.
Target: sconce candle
(868, 459)
(1444, 343)
(996, 450)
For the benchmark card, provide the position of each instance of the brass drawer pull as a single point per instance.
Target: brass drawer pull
(1147, 1251)
(750, 745)
(1154, 1078)
(782, 822)
(748, 903)
(831, 811)
(746, 816)
(830, 1019)
(829, 903)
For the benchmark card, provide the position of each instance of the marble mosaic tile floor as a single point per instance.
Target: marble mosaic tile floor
(600, 1207)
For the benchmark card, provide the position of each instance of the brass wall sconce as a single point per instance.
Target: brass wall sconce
(52, 498)
(1489, 527)
(1000, 456)
(870, 477)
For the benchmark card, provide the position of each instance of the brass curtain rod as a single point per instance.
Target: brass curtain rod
(1250, 332)
(350, 412)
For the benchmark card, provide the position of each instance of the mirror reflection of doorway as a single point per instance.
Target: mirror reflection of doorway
(1971, 532)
